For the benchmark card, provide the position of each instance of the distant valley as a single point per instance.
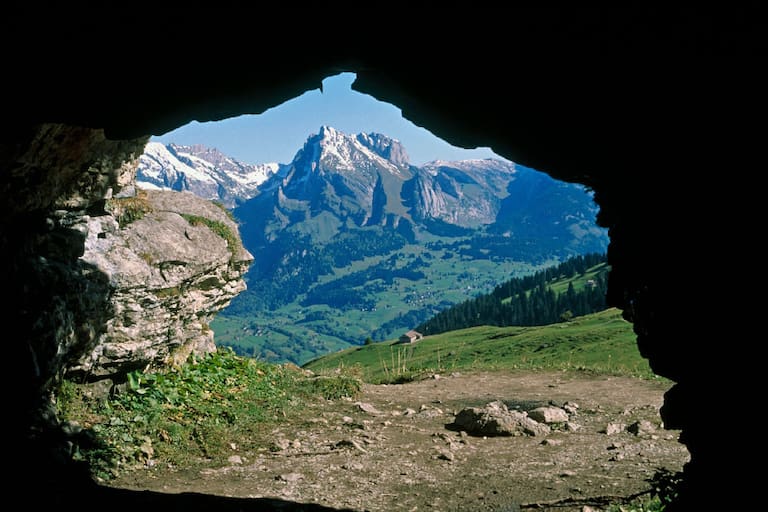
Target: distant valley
(352, 242)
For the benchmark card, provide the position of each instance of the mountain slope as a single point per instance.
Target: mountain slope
(602, 342)
(576, 287)
(467, 193)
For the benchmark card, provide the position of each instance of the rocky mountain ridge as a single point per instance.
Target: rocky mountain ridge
(203, 171)
(338, 180)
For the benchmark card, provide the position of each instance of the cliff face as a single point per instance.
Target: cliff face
(55, 178)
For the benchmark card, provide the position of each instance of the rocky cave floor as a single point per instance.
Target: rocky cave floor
(394, 448)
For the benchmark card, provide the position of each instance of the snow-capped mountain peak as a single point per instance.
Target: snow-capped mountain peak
(160, 163)
(204, 171)
(337, 181)
(333, 150)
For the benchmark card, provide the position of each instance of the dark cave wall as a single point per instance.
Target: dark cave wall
(53, 177)
(647, 107)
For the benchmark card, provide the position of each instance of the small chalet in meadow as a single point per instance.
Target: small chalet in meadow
(410, 337)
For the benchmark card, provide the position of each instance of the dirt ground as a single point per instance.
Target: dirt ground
(393, 448)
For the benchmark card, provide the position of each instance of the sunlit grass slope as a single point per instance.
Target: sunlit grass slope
(602, 342)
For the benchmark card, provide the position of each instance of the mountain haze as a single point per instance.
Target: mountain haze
(351, 241)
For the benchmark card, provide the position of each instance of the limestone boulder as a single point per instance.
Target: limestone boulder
(171, 264)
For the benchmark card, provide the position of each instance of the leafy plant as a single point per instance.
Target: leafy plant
(665, 485)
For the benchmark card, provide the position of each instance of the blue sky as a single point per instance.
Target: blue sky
(277, 134)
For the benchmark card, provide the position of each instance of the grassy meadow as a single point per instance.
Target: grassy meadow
(602, 342)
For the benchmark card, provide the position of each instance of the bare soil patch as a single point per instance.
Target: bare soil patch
(394, 448)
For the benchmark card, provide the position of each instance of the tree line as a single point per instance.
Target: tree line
(532, 300)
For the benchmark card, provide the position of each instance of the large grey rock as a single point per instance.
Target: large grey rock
(51, 185)
(495, 419)
(169, 273)
(548, 414)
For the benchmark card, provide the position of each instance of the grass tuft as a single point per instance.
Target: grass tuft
(129, 209)
(219, 228)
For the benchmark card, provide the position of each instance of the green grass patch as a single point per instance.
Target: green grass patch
(602, 343)
(197, 410)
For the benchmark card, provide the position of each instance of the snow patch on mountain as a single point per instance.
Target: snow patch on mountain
(201, 170)
(158, 164)
(472, 165)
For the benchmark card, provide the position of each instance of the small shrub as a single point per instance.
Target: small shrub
(665, 485)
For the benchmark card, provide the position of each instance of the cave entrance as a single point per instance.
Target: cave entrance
(353, 264)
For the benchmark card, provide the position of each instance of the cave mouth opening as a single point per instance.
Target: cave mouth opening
(511, 402)
(290, 130)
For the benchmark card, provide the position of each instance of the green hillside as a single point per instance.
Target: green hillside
(377, 296)
(602, 342)
(575, 287)
(579, 281)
